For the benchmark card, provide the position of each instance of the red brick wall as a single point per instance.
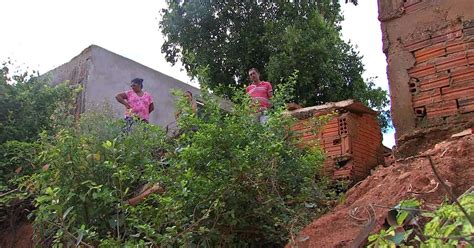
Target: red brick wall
(352, 144)
(429, 46)
(442, 79)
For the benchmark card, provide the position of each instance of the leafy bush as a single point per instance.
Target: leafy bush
(16, 159)
(28, 102)
(445, 227)
(29, 105)
(229, 181)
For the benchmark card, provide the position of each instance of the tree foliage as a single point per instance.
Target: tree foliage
(278, 37)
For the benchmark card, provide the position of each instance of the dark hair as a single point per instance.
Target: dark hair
(189, 92)
(138, 81)
(254, 69)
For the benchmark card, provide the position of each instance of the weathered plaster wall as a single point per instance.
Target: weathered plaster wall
(429, 46)
(76, 72)
(103, 74)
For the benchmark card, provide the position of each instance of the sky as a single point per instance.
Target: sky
(42, 35)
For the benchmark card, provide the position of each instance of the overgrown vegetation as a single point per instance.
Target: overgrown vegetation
(229, 181)
(277, 37)
(28, 106)
(446, 226)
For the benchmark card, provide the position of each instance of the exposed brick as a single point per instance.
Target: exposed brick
(452, 61)
(468, 24)
(464, 101)
(371, 140)
(331, 124)
(441, 109)
(469, 44)
(466, 104)
(367, 151)
(430, 52)
(361, 149)
(418, 45)
(462, 90)
(461, 75)
(434, 83)
(330, 139)
(362, 158)
(445, 37)
(470, 56)
(417, 6)
(447, 30)
(300, 125)
(420, 111)
(346, 145)
(455, 46)
(468, 31)
(427, 97)
(420, 71)
(362, 138)
(413, 85)
(466, 109)
(331, 132)
(334, 150)
(343, 174)
(309, 138)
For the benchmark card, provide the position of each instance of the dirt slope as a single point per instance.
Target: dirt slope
(408, 178)
(18, 236)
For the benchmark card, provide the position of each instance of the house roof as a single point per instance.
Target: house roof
(349, 105)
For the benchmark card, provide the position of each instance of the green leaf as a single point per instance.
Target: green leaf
(67, 212)
(401, 216)
(107, 144)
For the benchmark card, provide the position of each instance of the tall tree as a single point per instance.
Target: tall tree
(277, 37)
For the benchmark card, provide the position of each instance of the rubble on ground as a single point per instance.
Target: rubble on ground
(407, 178)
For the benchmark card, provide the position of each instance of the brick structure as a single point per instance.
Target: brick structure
(351, 138)
(429, 46)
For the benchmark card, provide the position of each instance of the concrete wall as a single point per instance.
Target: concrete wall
(429, 45)
(103, 74)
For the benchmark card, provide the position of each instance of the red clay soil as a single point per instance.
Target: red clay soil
(19, 236)
(387, 186)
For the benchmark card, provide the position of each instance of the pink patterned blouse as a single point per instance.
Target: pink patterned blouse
(139, 105)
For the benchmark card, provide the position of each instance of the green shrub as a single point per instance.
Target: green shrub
(16, 159)
(28, 102)
(445, 227)
(229, 181)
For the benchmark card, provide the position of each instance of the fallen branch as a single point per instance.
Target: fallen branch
(424, 192)
(9, 192)
(446, 188)
(364, 233)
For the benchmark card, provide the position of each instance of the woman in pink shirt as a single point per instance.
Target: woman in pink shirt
(138, 103)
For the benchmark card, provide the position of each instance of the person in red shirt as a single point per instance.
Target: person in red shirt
(261, 92)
